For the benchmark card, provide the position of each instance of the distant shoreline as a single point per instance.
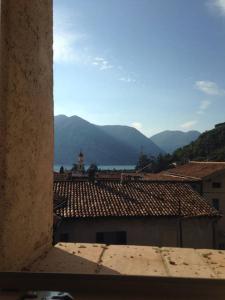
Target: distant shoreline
(101, 167)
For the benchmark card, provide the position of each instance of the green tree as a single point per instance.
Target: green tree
(144, 163)
(74, 168)
(162, 163)
(92, 172)
(61, 170)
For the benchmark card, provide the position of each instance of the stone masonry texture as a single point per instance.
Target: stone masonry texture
(26, 131)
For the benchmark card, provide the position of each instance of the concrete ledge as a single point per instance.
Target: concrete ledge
(131, 260)
(94, 271)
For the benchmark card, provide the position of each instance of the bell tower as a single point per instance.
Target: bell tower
(80, 165)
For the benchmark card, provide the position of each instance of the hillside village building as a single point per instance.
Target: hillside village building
(208, 178)
(137, 213)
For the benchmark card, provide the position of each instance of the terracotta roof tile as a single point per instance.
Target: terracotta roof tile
(110, 198)
(164, 176)
(198, 169)
(59, 176)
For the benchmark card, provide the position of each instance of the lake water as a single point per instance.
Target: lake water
(102, 167)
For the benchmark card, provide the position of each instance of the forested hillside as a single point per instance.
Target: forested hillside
(209, 146)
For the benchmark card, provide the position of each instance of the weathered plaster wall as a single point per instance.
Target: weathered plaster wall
(197, 232)
(140, 231)
(26, 125)
(210, 193)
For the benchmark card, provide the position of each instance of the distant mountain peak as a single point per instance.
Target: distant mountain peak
(109, 144)
(61, 116)
(170, 140)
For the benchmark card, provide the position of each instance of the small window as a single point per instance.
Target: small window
(216, 203)
(114, 237)
(64, 237)
(216, 185)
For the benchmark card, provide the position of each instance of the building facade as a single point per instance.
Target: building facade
(211, 186)
(135, 213)
(158, 231)
(213, 190)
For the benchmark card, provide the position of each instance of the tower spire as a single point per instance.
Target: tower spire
(80, 165)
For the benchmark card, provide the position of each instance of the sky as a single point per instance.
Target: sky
(152, 64)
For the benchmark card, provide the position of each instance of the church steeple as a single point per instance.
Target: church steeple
(80, 165)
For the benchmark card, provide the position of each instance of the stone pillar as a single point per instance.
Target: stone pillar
(26, 131)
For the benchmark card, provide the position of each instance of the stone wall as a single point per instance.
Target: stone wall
(26, 137)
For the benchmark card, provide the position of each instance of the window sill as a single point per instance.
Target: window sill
(98, 270)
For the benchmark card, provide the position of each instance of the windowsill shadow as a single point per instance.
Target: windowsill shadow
(58, 260)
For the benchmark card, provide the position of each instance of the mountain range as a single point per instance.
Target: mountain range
(109, 144)
(170, 140)
(105, 145)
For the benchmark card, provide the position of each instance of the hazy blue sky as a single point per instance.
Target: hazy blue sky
(151, 64)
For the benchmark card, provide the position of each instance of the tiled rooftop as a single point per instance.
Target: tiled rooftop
(60, 176)
(108, 175)
(164, 176)
(113, 199)
(198, 169)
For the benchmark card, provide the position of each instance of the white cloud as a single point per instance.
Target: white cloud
(137, 125)
(127, 79)
(203, 106)
(71, 46)
(65, 44)
(209, 88)
(188, 125)
(102, 63)
(99, 59)
(218, 5)
(68, 49)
